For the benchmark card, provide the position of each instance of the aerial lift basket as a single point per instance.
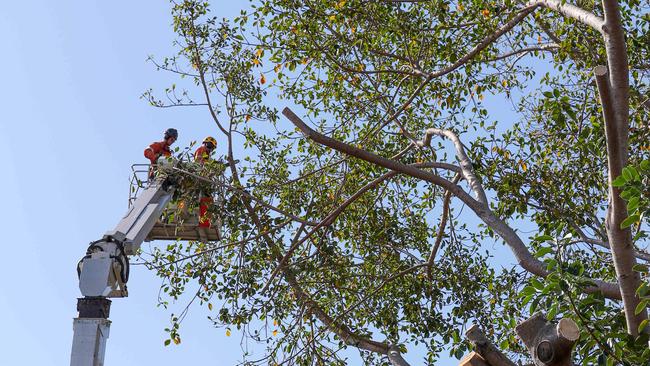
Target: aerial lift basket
(174, 224)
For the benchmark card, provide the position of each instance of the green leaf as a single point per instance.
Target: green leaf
(551, 264)
(527, 299)
(645, 165)
(543, 238)
(633, 204)
(634, 173)
(629, 221)
(619, 182)
(642, 326)
(627, 174)
(640, 268)
(543, 251)
(537, 284)
(553, 312)
(641, 307)
(528, 290)
(167, 342)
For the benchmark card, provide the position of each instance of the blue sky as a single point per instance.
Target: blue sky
(72, 124)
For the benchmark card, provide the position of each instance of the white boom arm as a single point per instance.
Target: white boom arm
(104, 271)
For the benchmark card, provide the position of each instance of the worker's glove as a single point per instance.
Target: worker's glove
(165, 162)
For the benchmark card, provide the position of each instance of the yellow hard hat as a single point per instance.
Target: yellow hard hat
(211, 140)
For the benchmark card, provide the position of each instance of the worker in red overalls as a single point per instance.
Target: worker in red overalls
(201, 156)
(158, 149)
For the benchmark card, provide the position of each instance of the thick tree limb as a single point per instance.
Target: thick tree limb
(574, 12)
(525, 259)
(620, 240)
(465, 162)
(614, 92)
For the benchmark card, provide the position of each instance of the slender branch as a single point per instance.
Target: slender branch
(603, 244)
(544, 47)
(428, 76)
(486, 41)
(329, 219)
(441, 228)
(347, 335)
(199, 66)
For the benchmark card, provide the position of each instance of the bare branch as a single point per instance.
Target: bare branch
(603, 244)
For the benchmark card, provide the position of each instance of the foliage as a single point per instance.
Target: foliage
(323, 251)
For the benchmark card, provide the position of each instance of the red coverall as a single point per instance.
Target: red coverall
(154, 151)
(201, 155)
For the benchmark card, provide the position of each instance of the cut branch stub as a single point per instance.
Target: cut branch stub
(485, 348)
(473, 359)
(549, 344)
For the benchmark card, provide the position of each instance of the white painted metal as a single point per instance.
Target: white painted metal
(96, 275)
(89, 342)
(101, 270)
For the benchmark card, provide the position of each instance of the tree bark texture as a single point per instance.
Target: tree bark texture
(620, 240)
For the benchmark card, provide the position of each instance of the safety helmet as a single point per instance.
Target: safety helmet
(171, 132)
(211, 140)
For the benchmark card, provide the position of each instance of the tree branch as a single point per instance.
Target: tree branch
(341, 330)
(525, 259)
(544, 47)
(603, 244)
(329, 219)
(485, 348)
(441, 228)
(465, 163)
(486, 41)
(620, 239)
(574, 12)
